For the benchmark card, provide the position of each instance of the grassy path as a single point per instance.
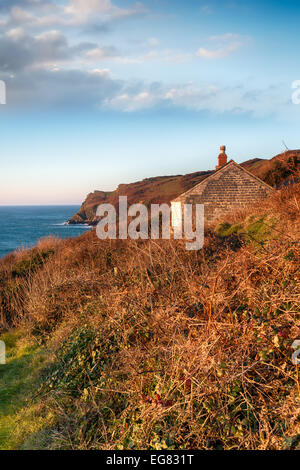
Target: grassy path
(21, 419)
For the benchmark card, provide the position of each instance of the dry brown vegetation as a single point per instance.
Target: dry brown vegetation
(157, 347)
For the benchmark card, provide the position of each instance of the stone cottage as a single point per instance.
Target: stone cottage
(229, 187)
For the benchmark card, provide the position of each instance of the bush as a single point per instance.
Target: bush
(80, 362)
(31, 264)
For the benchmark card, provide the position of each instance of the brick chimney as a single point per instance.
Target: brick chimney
(222, 158)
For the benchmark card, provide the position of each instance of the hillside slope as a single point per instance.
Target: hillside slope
(165, 188)
(151, 346)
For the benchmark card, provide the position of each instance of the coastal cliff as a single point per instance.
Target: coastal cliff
(162, 189)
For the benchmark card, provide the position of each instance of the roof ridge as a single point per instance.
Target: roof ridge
(251, 174)
(231, 161)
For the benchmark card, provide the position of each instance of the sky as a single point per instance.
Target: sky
(102, 92)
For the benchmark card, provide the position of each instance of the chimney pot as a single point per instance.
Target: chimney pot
(222, 158)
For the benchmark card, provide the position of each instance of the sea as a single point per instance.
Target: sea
(23, 226)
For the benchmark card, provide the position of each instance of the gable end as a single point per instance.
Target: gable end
(228, 188)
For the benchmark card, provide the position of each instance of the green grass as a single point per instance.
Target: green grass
(23, 420)
(253, 229)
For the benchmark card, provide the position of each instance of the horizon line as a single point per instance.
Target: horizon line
(40, 205)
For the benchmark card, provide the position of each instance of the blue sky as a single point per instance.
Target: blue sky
(102, 92)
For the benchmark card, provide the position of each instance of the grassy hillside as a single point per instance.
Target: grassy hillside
(150, 346)
(165, 188)
(20, 415)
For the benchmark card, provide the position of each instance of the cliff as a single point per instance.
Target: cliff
(276, 171)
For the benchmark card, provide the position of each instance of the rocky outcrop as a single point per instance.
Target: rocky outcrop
(87, 212)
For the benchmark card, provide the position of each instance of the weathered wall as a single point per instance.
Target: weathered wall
(229, 188)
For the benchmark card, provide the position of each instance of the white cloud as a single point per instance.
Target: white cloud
(100, 73)
(51, 36)
(187, 96)
(16, 34)
(54, 86)
(168, 56)
(81, 11)
(153, 42)
(130, 102)
(224, 45)
(218, 53)
(20, 16)
(99, 53)
(73, 13)
(51, 68)
(221, 99)
(20, 50)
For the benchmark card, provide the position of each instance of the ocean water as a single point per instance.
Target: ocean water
(23, 226)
